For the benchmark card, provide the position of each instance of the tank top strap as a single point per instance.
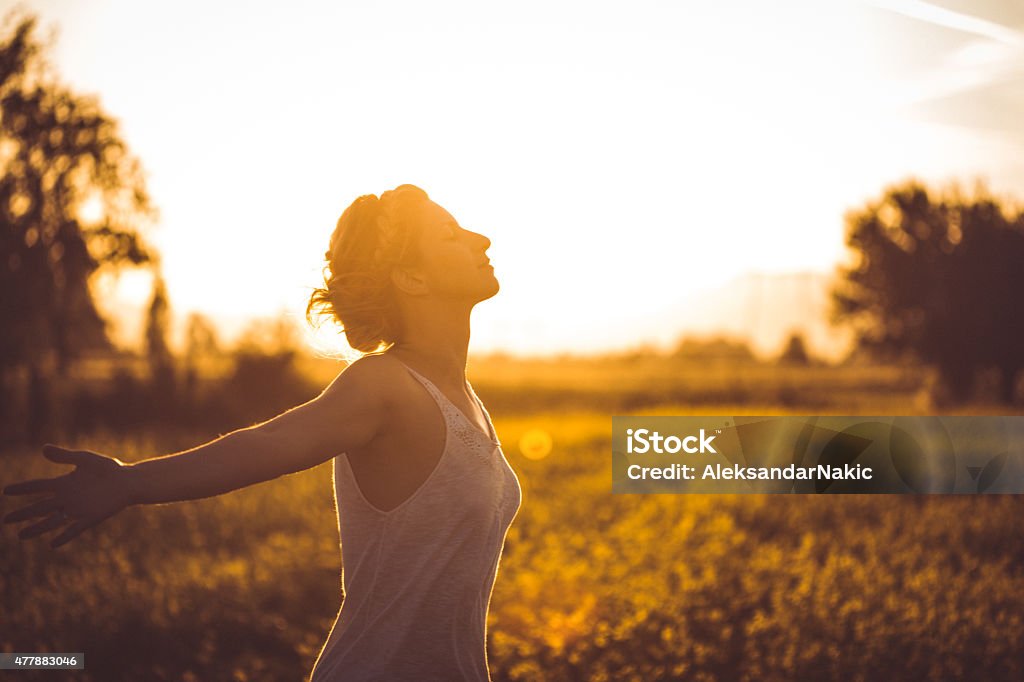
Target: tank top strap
(445, 405)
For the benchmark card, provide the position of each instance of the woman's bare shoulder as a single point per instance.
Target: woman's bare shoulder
(379, 372)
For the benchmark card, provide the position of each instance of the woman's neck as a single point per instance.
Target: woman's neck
(435, 338)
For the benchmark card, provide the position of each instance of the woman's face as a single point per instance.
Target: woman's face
(452, 262)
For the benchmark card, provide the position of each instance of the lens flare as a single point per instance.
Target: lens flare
(535, 444)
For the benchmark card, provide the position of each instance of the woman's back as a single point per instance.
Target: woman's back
(417, 577)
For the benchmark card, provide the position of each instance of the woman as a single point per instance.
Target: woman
(424, 493)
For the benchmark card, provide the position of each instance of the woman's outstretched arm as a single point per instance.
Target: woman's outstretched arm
(348, 414)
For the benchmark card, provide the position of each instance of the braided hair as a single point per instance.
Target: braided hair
(372, 237)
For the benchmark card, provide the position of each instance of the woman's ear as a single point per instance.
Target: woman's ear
(409, 281)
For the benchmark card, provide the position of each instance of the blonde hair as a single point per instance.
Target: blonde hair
(372, 236)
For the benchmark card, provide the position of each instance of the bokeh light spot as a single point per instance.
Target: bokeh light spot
(535, 444)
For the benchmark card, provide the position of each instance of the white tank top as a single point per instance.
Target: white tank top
(417, 579)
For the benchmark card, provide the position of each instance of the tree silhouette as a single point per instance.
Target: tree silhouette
(158, 353)
(158, 322)
(59, 152)
(795, 352)
(939, 277)
(201, 346)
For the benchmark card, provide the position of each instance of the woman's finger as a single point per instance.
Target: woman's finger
(38, 485)
(55, 453)
(71, 532)
(55, 521)
(86, 459)
(41, 508)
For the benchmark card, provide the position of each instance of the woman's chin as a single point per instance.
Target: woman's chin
(491, 290)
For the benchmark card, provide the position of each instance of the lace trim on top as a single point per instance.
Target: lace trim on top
(468, 433)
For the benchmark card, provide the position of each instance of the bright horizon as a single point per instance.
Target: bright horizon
(621, 163)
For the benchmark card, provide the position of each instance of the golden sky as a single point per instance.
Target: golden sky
(622, 157)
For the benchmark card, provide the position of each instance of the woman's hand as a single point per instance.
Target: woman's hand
(97, 489)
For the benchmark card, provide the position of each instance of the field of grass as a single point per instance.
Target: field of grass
(591, 586)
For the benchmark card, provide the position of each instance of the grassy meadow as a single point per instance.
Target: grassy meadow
(591, 586)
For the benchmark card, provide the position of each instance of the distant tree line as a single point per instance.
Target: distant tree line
(207, 388)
